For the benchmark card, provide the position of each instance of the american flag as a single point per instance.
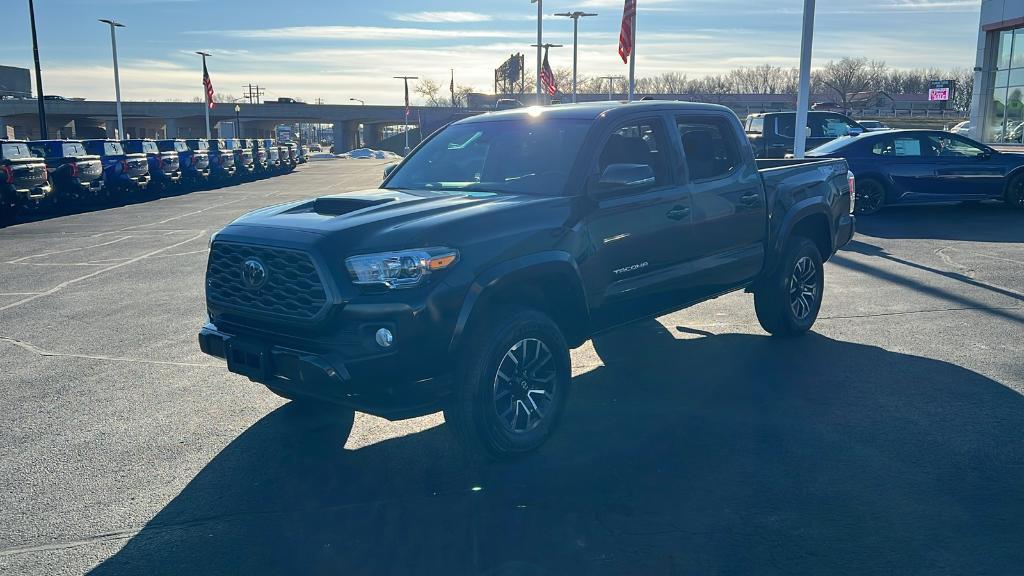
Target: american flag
(626, 33)
(208, 85)
(407, 109)
(547, 77)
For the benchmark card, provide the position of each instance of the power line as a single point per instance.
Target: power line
(254, 92)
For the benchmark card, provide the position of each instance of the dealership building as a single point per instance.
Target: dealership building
(997, 104)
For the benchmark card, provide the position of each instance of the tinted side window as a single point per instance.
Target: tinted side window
(786, 125)
(828, 126)
(709, 145)
(953, 146)
(900, 147)
(639, 142)
(755, 125)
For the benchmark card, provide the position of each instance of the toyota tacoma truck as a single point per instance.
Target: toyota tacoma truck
(505, 240)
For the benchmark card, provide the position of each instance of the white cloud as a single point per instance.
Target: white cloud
(363, 33)
(458, 17)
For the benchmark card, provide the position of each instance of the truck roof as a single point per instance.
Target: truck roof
(595, 110)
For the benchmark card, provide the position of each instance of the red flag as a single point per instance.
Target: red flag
(547, 77)
(208, 85)
(626, 33)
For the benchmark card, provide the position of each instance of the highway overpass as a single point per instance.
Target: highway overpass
(76, 119)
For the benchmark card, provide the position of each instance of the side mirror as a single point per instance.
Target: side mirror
(389, 169)
(618, 178)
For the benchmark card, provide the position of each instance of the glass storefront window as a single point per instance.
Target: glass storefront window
(1005, 121)
(1005, 45)
(1017, 59)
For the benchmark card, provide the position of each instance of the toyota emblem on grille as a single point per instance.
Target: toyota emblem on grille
(254, 273)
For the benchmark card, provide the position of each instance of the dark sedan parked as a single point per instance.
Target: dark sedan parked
(921, 166)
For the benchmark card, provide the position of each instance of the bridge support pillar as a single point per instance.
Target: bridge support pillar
(170, 128)
(5, 130)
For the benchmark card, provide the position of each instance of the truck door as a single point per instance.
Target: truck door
(728, 220)
(636, 233)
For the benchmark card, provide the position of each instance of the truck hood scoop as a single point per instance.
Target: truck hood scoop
(339, 205)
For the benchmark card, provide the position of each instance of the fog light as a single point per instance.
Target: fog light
(385, 338)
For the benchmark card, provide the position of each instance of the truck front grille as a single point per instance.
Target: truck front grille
(261, 280)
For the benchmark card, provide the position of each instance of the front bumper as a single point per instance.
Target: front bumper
(374, 385)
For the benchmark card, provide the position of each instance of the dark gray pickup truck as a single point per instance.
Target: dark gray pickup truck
(503, 241)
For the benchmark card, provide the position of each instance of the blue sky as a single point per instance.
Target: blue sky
(341, 49)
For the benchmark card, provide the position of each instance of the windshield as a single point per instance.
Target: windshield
(15, 151)
(531, 156)
(73, 149)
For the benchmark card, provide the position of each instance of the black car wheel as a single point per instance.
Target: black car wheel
(870, 196)
(788, 302)
(511, 385)
(1015, 192)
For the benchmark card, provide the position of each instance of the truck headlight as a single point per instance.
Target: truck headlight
(400, 269)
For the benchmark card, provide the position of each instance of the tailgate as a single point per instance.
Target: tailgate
(28, 173)
(138, 165)
(89, 167)
(169, 162)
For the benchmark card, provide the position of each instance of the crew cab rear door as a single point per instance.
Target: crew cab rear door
(636, 231)
(728, 220)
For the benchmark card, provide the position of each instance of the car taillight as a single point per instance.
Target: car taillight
(9, 174)
(852, 181)
(74, 169)
(124, 166)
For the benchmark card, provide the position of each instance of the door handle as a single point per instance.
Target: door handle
(750, 199)
(678, 213)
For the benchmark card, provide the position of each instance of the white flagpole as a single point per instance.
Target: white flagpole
(632, 59)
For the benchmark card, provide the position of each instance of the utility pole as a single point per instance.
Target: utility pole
(575, 42)
(406, 80)
(540, 42)
(610, 79)
(39, 73)
(117, 78)
(252, 92)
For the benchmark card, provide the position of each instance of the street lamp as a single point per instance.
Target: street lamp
(39, 73)
(358, 100)
(117, 79)
(803, 92)
(540, 42)
(575, 37)
(206, 97)
(238, 125)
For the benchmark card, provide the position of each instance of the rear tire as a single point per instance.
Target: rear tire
(870, 196)
(788, 302)
(511, 385)
(1014, 196)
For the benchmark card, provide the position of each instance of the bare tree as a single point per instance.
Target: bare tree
(850, 76)
(430, 91)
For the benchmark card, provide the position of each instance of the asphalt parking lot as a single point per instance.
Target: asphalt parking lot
(889, 441)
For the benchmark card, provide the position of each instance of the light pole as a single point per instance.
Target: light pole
(238, 124)
(406, 80)
(358, 100)
(117, 79)
(206, 97)
(39, 74)
(540, 42)
(803, 94)
(575, 42)
(609, 79)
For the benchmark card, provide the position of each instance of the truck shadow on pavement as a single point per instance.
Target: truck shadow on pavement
(684, 453)
(982, 222)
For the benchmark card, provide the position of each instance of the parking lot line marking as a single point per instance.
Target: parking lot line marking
(50, 354)
(56, 263)
(67, 283)
(18, 293)
(52, 252)
(171, 219)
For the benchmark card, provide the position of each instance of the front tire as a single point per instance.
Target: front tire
(511, 385)
(788, 302)
(870, 197)
(1015, 193)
